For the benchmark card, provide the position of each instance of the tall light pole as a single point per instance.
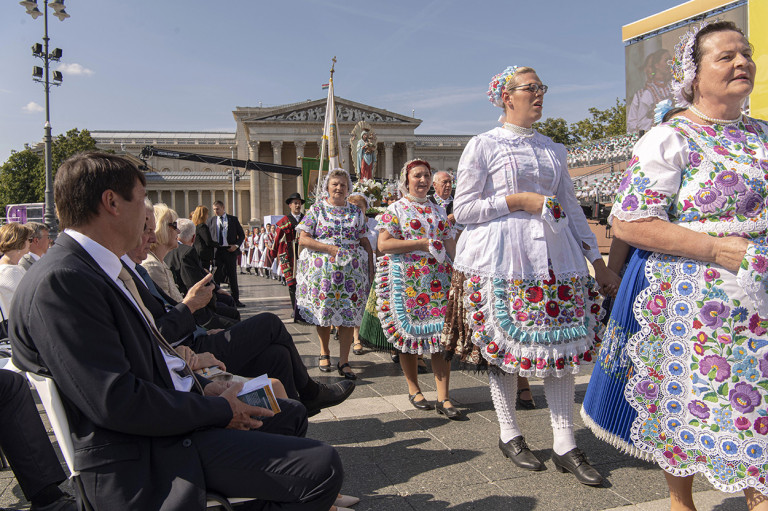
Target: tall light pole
(235, 173)
(37, 73)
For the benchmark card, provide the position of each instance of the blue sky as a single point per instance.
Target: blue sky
(185, 65)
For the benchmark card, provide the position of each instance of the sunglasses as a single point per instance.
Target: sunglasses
(173, 224)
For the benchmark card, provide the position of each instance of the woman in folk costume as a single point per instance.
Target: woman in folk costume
(522, 300)
(334, 270)
(693, 203)
(262, 247)
(412, 280)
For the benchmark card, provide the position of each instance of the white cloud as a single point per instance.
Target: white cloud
(74, 69)
(32, 108)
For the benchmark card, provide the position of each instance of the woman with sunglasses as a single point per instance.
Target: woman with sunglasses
(167, 234)
(522, 301)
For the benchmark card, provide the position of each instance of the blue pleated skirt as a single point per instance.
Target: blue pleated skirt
(605, 411)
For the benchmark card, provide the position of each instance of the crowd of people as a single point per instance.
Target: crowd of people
(601, 187)
(126, 318)
(605, 150)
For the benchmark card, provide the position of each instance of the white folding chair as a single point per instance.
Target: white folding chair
(54, 408)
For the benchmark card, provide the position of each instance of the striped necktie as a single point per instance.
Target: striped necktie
(130, 285)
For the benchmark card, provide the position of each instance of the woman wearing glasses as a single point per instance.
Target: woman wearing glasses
(167, 234)
(522, 301)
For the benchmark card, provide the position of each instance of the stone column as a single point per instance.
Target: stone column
(200, 200)
(253, 154)
(300, 144)
(239, 214)
(389, 164)
(173, 200)
(186, 204)
(409, 146)
(346, 164)
(277, 157)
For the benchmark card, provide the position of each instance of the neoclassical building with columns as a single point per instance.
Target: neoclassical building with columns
(281, 134)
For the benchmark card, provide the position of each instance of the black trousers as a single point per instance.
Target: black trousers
(23, 437)
(226, 268)
(284, 472)
(255, 346)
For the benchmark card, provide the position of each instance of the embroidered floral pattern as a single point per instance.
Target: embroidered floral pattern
(413, 287)
(333, 291)
(702, 359)
(536, 327)
(722, 183)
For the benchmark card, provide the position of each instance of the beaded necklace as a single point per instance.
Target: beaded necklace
(519, 130)
(698, 113)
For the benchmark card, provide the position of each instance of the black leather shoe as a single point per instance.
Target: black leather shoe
(422, 404)
(575, 462)
(349, 375)
(324, 368)
(63, 503)
(239, 304)
(525, 404)
(452, 412)
(519, 453)
(329, 395)
(395, 356)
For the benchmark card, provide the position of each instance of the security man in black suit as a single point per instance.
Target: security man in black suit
(228, 233)
(147, 433)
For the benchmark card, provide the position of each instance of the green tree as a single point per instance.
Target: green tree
(602, 123)
(557, 129)
(22, 177)
(18, 178)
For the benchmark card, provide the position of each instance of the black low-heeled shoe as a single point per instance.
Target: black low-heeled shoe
(327, 368)
(395, 356)
(422, 404)
(452, 413)
(525, 404)
(347, 375)
(575, 462)
(518, 453)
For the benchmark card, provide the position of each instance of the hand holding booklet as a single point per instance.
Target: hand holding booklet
(258, 392)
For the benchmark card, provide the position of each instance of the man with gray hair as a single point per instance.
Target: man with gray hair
(38, 244)
(187, 270)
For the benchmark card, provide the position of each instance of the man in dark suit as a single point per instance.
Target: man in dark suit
(147, 434)
(228, 233)
(258, 345)
(187, 270)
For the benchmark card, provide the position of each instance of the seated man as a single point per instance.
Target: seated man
(187, 270)
(253, 347)
(147, 433)
(26, 445)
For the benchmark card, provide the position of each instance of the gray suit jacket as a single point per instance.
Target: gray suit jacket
(26, 261)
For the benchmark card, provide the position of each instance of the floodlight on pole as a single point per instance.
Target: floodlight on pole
(41, 52)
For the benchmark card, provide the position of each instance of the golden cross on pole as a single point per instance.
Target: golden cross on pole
(333, 65)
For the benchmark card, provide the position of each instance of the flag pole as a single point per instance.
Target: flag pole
(324, 147)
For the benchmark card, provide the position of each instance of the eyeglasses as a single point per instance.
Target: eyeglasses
(533, 88)
(173, 224)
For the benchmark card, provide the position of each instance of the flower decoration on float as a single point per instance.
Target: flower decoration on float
(683, 65)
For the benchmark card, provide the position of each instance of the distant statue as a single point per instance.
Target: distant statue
(363, 140)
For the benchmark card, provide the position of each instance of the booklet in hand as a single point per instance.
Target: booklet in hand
(258, 392)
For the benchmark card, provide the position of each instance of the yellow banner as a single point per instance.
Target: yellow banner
(758, 36)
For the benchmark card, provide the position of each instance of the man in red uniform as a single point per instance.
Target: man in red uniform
(286, 246)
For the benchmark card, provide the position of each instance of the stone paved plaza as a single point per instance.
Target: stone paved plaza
(399, 458)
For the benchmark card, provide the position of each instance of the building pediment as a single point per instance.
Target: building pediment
(314, 112)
